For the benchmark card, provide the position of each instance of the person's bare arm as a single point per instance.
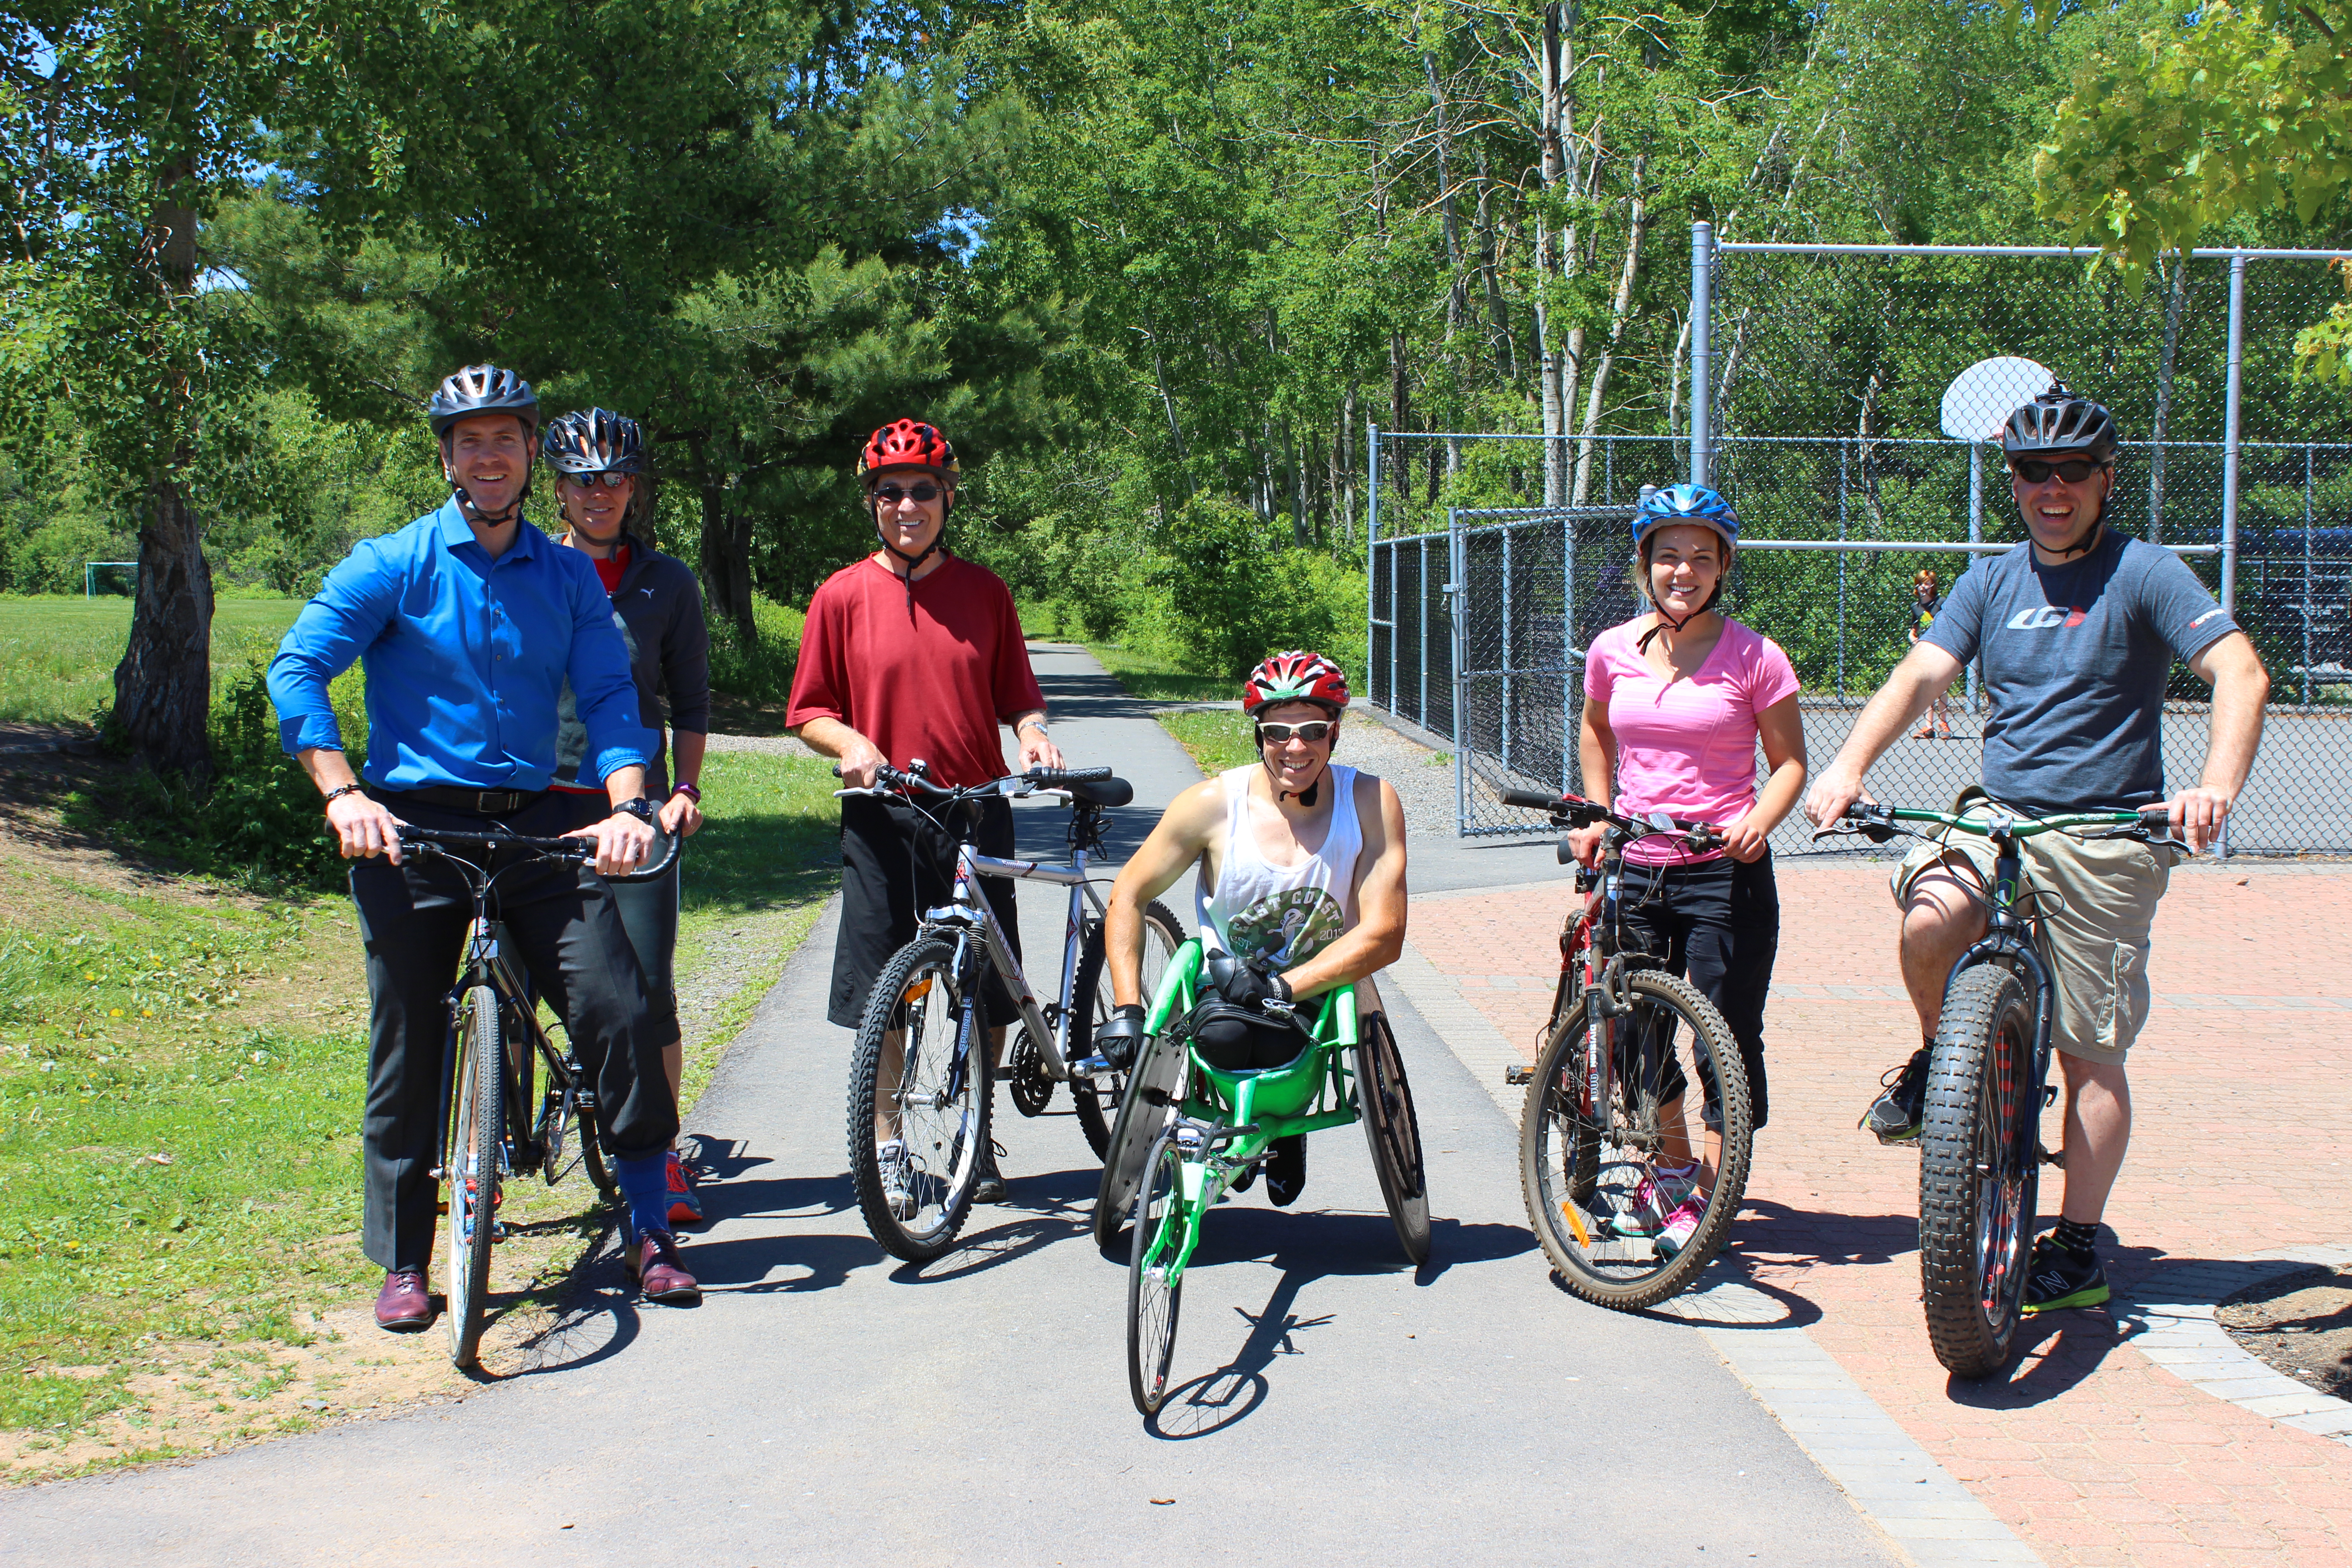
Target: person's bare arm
(364, 825)
(1377, 940)
(1926, 672)
(2241, 686)
(1782, 729)
(1596, 760)
(859, 756)
(1184, 832)
(680, 814)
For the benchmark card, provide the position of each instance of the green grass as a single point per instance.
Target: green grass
(1216, 741)
(1158, 680)
(57, 654)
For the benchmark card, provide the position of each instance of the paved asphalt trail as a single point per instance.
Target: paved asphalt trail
(827, 1405)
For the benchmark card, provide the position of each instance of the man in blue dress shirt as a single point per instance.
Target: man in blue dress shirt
(467, 622)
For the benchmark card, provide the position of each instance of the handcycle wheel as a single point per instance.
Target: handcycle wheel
(1162, 1228)
(476, 1127)
(1155, 1089)
(1097, 1099)
(935, 1107)
(1384, 1101)
(1584, 1170)
(1978, 1178)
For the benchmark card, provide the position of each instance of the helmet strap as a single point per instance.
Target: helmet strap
(912, 563)
(475, 515)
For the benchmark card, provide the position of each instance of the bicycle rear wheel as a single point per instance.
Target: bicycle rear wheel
(1384, 1101)
(1097, 1099)
(476, 1124)
(1588, 1166)
(915, 1172)
(1154, 1090)
(1978, 1177)
(1155, 1292)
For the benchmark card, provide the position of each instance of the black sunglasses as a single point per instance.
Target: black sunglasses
(923, 491)
(1279, 734)
(609, 479)
(2034, 472)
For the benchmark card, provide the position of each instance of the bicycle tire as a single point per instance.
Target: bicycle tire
(1976, 1206)
(592, 1149)
(1153, 1303)
(1155, 1089)
(1564, 1154)
(477, 1131)
(1091, 1006)
(1384, 1102)
(917, 994)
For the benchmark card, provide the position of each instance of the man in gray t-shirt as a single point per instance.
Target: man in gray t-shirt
(2076, 631)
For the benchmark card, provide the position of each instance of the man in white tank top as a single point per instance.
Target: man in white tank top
(1302, 883)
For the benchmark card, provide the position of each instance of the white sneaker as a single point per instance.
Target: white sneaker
(895, 1195)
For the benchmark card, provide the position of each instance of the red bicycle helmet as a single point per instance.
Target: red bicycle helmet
(1298, 676)
(910, 444)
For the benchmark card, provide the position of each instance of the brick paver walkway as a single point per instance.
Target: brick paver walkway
(2243, 1142)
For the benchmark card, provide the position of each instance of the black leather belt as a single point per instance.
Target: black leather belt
(480, 802)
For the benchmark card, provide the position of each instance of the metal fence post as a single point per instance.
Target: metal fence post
(1976, 536)
(1842, 554)
(2229, 432)
(2307, 574)
(1702, 416)
(1457, 576)
(1570, 679)
(1421, 713)
(1371, 556)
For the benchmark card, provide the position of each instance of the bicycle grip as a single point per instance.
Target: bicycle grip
(1534, 799)
(1067, 776)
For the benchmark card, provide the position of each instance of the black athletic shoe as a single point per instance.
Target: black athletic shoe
(1902, 1104)
(1286, 1170)
(988, 1181)
(2056, 1279)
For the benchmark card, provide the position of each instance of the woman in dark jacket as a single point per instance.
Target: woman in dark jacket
(601, 483)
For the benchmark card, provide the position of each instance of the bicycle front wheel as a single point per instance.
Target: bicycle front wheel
(1098, 1099)
(1979, 1172)
(477, 1121)
(1155, 1280)
(1605, 1133)
(918, 1102)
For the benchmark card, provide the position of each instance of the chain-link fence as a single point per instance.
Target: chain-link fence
(1846, 403)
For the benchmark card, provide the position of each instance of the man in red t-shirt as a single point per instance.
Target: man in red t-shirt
(913, 652)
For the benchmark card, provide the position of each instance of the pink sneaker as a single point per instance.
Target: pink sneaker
(1680, 1226)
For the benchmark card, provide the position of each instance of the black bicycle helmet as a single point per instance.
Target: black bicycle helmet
(483, 389)
(2060, 421)
(594, 441)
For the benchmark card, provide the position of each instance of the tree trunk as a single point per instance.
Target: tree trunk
(162, 687)
(2176, 299)
(726, 550)
(1345, 477)
(1398, 413)
(1550, 89)
(1619, 309)
(1501, 343)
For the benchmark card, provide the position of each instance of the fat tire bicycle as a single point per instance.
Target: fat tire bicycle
(930, 997)
(490, 1129)
(1980, 1153)
(1608, 1097)
(1188, 1131)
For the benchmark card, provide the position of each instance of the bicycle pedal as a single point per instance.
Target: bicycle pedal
(2049, 1095)
(1518, 1073)
(2057, 1159)
(498, 1231)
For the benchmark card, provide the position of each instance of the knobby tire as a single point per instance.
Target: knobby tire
(1977, 1195)
(477, 1122)
(917, 991)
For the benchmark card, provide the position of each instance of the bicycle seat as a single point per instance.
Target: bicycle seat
(1100, 791)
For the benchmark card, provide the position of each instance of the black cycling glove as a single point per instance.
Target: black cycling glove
(1246, 984)
(1119, 1037)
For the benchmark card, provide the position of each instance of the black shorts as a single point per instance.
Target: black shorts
(895, 864)
(648, 911)
(1718, 923)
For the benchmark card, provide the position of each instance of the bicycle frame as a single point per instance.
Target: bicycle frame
(2008, 938)
(971, 914)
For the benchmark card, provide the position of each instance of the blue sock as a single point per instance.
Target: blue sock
(645, 1183)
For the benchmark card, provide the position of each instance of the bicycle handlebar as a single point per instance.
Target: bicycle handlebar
(889, 780)
(1880, 823)
(1575, 811)
(578, 851)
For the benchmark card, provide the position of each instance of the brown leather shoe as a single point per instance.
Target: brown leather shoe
(404, 1306)
(652, 1262)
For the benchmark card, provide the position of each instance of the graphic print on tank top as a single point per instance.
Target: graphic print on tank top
(1285, 914)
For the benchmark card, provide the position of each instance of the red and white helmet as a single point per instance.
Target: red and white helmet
(1298, 676)
(909, 444)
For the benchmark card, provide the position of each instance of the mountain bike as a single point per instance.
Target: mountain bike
(488, 1127)
(1188, 1131)
(1609, 1121)
(919, 1075)
(1980, 1153)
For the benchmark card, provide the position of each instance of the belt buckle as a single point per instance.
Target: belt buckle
(483, 799)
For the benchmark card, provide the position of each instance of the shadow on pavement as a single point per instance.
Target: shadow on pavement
(1452, 1242)
(742, 1267)
(594, 1325)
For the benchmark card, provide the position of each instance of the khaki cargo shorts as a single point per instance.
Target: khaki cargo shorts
(2096, 945)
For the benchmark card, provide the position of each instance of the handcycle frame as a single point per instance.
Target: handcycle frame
(523, 1147)
(969, 915)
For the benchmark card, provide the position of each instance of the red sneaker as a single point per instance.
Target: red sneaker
(684, 1205)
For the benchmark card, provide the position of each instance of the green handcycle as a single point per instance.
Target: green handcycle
(1188, 1131)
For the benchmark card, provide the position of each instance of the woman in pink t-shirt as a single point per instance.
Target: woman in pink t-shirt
(1676, 701)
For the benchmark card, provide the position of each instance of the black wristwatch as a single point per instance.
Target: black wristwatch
(642, 809)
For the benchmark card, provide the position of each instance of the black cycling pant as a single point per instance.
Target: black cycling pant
(895, 864)
(560, 923)
(649, 912)
(1717, 923)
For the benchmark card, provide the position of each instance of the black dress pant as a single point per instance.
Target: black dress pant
(1717, 923)
(562, 925)
(897, 862)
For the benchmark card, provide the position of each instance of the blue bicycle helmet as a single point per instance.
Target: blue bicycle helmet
(1684, 503)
